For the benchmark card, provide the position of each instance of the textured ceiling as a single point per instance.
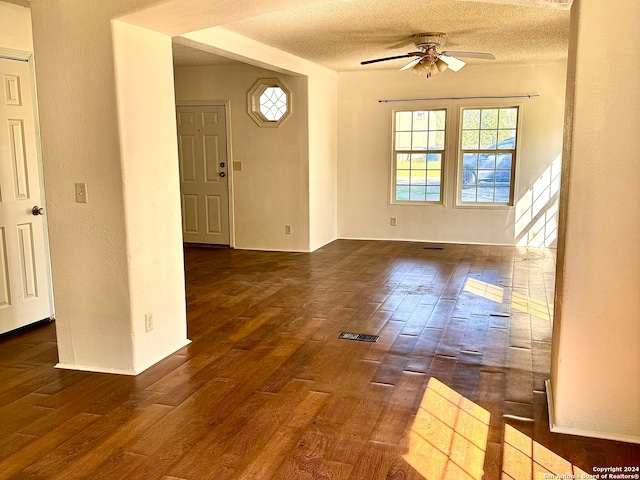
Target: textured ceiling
(341, 33)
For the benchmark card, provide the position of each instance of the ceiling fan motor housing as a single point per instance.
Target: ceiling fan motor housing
(431, 39)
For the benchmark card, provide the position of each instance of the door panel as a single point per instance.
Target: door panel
(5, 297)
(27, 261)
(211, 154)
(17, 151)
(190, 214)
(214, 214)
(25, 293)
(202, 150)
(12, 90)
(187, 149)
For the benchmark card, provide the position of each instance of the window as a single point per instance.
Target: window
(269, 102)
(419, 140)
(273, 103)
(488, 152)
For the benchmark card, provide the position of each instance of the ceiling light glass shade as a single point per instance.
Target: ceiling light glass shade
(425, 69)
(411, 64)
(419, 69)
(441, 65)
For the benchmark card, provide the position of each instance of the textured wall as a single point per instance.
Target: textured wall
(15, 27)
(110, 264)
(596, 351)
(311, 137)
(365, 144)
(149, 157)
(271, 190)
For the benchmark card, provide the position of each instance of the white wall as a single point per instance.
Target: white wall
(110, 128)
(272, 188)
(15, 27)
(101, 290)
(148, 152)
(323, 160)
(320, 137)
(595, 367)
(364, 146)
(88, 245)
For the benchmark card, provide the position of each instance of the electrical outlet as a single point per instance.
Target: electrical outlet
(148, 321)
(287, 229)
(81, 193)
(394, 221)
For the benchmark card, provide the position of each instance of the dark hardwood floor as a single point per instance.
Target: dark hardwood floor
(453, 388)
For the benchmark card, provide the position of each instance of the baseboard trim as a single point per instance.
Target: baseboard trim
(162, 357)
(321, 245)
(90, 368)
(445, 242)
(281, 250)
(550, 404)
(118, 371)
(581, 432)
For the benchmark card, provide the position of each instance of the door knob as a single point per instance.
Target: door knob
(37, 210)
(222, 174)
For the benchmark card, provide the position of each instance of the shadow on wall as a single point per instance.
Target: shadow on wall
(537, 210)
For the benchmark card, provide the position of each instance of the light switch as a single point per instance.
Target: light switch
(237, 166)
(81, 193)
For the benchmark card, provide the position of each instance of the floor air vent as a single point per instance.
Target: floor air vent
(433, 248)
(361, 337)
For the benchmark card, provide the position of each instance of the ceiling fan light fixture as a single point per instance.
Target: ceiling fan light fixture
(426, 69)
(418, 69)
(428, 60)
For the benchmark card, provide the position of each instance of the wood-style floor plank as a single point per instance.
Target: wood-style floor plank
(453, 388)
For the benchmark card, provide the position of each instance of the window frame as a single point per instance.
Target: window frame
(444, 155)
(460, 157)
(253, 102)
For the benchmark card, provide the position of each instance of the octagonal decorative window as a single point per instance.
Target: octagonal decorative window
(269, 102)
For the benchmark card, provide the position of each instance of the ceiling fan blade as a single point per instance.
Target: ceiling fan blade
(411, 64)
(454, 63)
(482, 55)
(367, 62)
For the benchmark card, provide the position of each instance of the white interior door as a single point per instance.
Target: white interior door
(25, 293)
(204, 186)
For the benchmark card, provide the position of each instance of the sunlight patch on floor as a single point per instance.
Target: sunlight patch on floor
(448, 441)
(485, 290)
(519, 301)
(448, 438)
(526, 304)
(525, 459)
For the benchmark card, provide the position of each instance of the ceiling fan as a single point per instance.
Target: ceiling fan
(428, 60)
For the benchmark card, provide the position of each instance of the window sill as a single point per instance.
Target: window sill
(483, 206)
(420, 204)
